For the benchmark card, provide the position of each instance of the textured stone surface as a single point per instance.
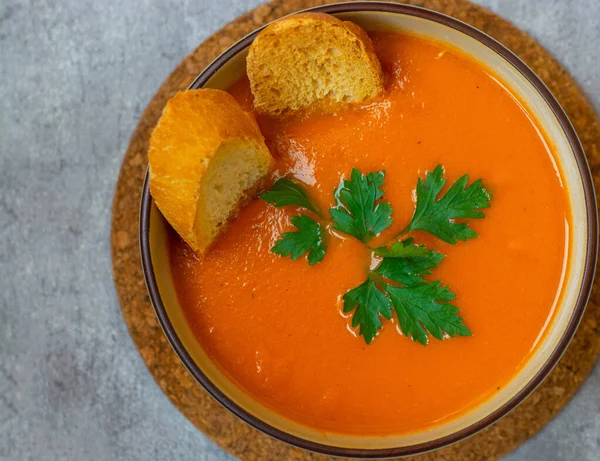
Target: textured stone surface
(74, 77)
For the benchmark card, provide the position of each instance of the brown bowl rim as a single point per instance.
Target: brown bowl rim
(586, 285)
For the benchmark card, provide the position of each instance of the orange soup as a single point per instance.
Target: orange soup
(276, 327)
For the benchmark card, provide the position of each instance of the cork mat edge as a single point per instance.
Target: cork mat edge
(215, 421)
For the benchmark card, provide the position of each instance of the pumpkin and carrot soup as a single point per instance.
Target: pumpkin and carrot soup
(293, 335)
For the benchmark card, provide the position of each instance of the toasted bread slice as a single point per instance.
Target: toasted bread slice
(206, 155)
(305, 58)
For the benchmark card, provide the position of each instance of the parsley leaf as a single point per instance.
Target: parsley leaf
(421, 307)
(287, 192)
(408, 270)
(309, 238)
(404, 248)
(357, 211)
(424, 308)
(369, 302)
(437, 216)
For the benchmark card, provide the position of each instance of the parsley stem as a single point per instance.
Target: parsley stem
(396, 237)
(376, 278)
(406, 230)
(316, 209)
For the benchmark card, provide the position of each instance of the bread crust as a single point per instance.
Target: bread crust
(279, 86)
(193, 125)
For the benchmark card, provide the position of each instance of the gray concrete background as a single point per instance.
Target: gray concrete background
(74, 78)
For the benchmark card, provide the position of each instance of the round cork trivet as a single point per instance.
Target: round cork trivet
(206, 414)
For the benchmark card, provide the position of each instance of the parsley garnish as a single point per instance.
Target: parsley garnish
(287, 192)
(403, 267)
(369, 302)
(400, 249)
(397, 283)
(309, 238)
(357, 211)
(423, 309)
(437, 216)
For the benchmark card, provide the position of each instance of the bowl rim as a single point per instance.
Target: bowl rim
(536, 380)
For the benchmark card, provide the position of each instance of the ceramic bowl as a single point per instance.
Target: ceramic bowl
(230, 66)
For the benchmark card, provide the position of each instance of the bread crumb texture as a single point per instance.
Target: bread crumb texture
(207, 156)
(305, 58)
